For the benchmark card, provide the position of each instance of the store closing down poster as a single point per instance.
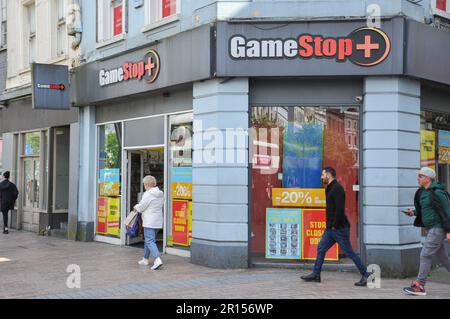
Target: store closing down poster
(314, 225)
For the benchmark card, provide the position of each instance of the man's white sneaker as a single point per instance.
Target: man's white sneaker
(157, 264)
(143, 262)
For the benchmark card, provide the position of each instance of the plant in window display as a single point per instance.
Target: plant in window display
(112, 150)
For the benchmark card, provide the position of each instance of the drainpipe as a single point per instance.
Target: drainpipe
(74, 27)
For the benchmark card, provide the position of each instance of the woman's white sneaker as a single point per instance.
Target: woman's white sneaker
(158, 263)
(143, 262)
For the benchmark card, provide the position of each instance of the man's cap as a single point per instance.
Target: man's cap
(426, 171)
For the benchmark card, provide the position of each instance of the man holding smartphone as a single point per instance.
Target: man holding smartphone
(433, 212)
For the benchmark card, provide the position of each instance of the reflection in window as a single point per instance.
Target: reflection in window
(32, 143)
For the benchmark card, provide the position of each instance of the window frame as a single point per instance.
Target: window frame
(160, 21)
(101, 39)
(61, 47)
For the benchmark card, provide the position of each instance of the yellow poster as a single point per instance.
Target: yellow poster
(182, 191)
(114, 216)
(190, 224)
(428, 149)
(298, 197)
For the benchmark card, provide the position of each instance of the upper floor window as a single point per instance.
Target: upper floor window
(3, 25)
(110, 19)
(160, 10)
(61, 29)
(31, 35)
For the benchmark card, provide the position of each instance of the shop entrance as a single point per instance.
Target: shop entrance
(140, 163)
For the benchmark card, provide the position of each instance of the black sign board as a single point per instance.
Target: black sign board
(50, 86)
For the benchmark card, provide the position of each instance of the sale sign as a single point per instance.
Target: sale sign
(283, 233)
(102, 215)
(114, 216)
(180, 222)
(298, 197)
(313, 227)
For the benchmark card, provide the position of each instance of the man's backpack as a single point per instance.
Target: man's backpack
(437, 205)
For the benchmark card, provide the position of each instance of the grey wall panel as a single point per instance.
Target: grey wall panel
(149, 131)
(133, 107)
(19, 116)
(8, 154)
(73, 180)
(301, 92)
(435, 99)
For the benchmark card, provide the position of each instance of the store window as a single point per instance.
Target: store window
(290, 146)
(179, 227)
(435, 144)
(110, 19)
(109, 180)
(33, 154)
(31, 40)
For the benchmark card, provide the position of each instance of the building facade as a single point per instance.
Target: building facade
(35, 141)
(236, 106)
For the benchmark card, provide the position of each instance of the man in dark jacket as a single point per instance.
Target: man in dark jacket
(8, 197)
(433, 212)
(337, 229)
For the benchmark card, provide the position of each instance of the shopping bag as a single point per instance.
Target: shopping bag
(133, 231)
(130, 218)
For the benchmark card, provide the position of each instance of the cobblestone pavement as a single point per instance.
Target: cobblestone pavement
(32, 266)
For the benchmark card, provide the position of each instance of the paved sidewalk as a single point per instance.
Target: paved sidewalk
(35, 267)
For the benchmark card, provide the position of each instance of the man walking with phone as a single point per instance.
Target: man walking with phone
(433, 212)
(337, 229)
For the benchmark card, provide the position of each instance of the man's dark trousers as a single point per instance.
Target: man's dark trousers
(342, 237)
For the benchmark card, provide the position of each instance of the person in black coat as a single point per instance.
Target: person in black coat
(337, 229)
(8, 197)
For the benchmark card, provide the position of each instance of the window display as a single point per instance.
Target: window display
(109, 180)
(289, 148)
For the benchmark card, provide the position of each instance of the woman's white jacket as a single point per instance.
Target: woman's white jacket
(151, 207)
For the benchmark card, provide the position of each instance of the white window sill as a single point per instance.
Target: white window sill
(168, 20)
(58, 59)
(113, 40)
(23, 71)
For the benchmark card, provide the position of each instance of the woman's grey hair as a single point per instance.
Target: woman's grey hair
(149, 181)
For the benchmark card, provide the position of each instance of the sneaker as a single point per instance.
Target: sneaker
(6, 231)
(143, 262)
(416, 289)
(157, 264)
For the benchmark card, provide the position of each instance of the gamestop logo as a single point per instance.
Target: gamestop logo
(364, 47)
(147, 69)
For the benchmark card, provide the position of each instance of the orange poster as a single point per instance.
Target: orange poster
(314, 225)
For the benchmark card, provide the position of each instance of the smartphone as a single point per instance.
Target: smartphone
(406, 212)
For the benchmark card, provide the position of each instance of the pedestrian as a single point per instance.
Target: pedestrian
(8, 197)
(432, 210)
(337, 229)
(152, 220)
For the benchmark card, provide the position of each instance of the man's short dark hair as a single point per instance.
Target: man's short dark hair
(330, 170)
(6, 174)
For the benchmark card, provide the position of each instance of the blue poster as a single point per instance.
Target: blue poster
(303, 155)
(444, 138)
(109, 176)
(181, 175)
(283, 233)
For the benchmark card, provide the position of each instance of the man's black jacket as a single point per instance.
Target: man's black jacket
(336, 206)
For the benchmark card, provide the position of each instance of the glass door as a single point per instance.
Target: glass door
(135, 187)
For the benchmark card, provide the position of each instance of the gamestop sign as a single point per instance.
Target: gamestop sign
(364, 47)
(147, 70)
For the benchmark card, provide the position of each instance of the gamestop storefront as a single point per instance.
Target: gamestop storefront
(316, 94)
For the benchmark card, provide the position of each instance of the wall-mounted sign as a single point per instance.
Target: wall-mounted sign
(441, 8)
(364, 47)
(50, 86)
(148, 69)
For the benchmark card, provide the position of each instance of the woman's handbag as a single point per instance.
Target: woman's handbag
(130, 218)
